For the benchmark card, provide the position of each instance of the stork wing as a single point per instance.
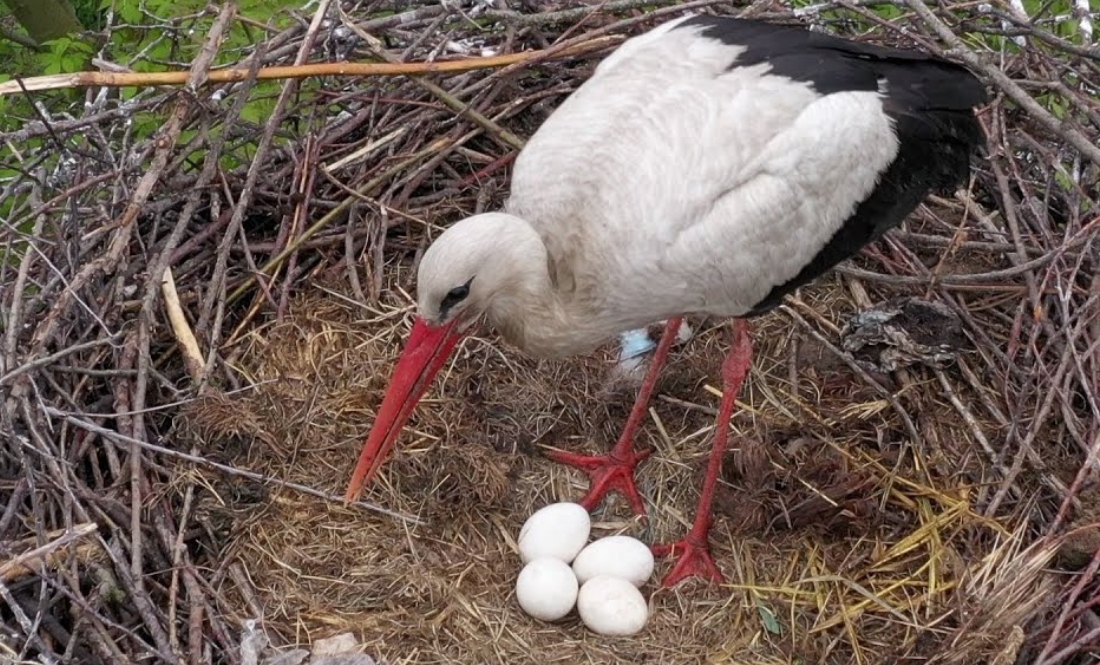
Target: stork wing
(736, 160)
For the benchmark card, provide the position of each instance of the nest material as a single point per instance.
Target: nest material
(174, 452)
(900, 333)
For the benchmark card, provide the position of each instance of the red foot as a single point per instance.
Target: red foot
(693, 560)
(609, 473)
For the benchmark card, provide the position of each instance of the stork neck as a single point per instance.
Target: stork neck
(530, 309)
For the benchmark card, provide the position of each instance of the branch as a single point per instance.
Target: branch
(1013, 91)
(122, 79)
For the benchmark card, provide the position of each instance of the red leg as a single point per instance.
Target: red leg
(693, 551)
(614, 472)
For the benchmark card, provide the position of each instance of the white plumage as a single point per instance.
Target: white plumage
(707, 167)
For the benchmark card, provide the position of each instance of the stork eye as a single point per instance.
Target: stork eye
(454, 296)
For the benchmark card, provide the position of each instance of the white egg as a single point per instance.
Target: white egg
(547, 589)
(559, 530)
(615, 556)
(612, 606)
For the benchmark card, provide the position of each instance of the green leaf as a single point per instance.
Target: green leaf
(130, 12)
(65, 55)
(768, 618)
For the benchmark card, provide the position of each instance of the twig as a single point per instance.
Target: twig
(139, 342)
(444, 96)
(1010, 88)
(854, 366)
(27, 625)
(571, 15)
(189, 346)
(1086, 577)
(46, 361)
(21, 564)
(291, 72)
(992, 276)
(121, 439)
(23, 40)
(34, 129)
(331, 216)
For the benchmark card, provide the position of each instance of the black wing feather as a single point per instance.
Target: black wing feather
(930, 100)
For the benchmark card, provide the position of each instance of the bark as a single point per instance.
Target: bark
(45, 19)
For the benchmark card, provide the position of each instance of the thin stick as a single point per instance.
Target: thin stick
(189, 346)
(447, 98)
(120, 439)
(20, 565)
(135, 79)
(1013, 91)
(854, 366)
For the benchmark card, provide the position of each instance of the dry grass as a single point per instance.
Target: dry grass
(940, 513)
(841, 540)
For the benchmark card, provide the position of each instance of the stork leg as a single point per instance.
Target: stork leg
(693, 551)
(614, 472)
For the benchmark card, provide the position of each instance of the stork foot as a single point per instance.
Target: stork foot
(693, 560)
(610, 473)
(693, 552)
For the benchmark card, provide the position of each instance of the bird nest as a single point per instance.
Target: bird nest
(199, 325)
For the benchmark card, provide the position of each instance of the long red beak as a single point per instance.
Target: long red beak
(425, 352)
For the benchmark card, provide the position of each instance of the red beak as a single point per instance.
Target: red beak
(425, 352)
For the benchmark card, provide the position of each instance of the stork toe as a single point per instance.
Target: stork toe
(609, 473)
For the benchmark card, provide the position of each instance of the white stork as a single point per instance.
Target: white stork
(709, 166)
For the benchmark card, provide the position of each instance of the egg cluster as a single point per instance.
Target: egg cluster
(603, 581)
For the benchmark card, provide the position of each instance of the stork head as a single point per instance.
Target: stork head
(464, 271)
(466, 268)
